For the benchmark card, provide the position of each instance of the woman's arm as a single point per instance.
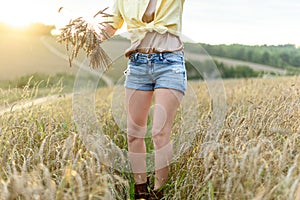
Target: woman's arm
(109, 31)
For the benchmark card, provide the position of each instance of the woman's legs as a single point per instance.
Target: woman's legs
(166, 104)
(138, 103)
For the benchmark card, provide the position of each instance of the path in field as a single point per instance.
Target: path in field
(232, 62)
(255, 66)
(17, 106)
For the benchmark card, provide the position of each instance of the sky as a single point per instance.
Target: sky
(250, 22)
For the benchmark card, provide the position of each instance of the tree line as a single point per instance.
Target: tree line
(285, 56)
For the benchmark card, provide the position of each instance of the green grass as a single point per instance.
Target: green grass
(34, 86)
(37, 85)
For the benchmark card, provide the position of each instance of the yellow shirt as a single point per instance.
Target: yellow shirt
(167, 18)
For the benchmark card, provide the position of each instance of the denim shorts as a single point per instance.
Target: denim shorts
(156, 70)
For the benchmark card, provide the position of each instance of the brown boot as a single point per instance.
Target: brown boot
(141, 191)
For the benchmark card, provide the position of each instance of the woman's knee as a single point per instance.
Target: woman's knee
(161, 138)
(134, 140)
(135, 131)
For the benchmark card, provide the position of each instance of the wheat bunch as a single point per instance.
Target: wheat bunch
(81, 34)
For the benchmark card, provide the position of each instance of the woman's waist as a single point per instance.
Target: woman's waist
(155, 42)
(162, 57)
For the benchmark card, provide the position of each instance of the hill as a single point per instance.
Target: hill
(23, 54)
(35, 51)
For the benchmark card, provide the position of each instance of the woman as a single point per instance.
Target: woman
(155, 69)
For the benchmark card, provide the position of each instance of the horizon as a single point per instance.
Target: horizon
(27, 26)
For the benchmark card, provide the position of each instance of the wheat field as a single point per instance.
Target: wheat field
(255, 157)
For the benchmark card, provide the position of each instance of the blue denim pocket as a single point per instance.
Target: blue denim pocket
(173, 58)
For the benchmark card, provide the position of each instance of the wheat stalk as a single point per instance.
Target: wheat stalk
(80, 34)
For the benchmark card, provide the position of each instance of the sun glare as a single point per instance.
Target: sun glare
(18, 23)
(18, 14)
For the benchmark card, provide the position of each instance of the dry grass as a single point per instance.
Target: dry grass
(43, 158)
(256, 157)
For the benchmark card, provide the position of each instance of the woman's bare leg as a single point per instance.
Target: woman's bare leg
(138, 103)
(166, 104)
